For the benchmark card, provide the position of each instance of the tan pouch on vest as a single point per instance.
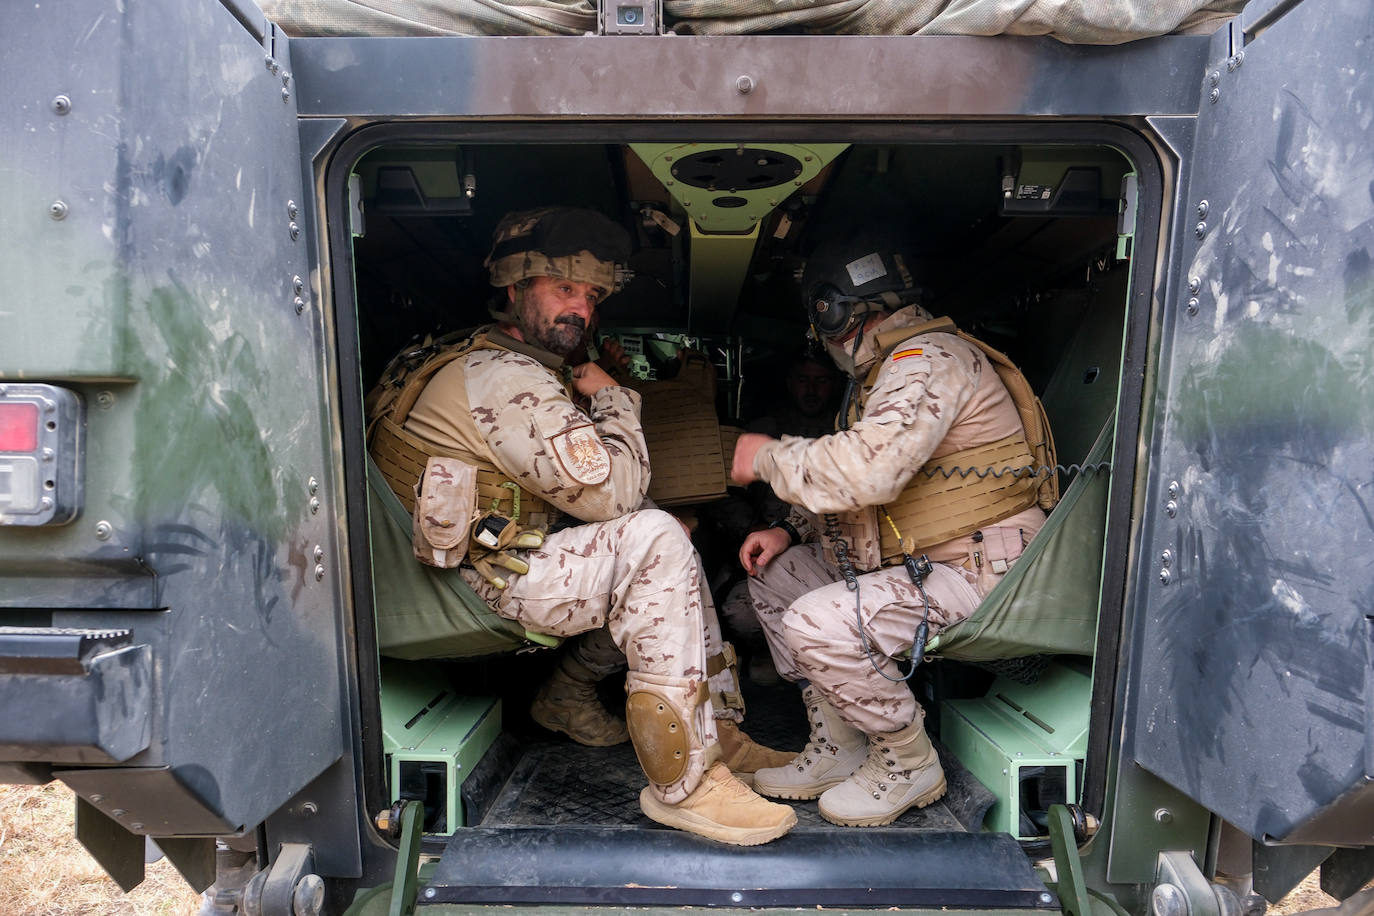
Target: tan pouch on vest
(445, 502)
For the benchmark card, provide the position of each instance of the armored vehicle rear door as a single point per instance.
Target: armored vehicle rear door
(1255, 572)
(173, 653)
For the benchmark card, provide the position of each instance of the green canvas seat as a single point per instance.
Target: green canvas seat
(421, 611)
(1047, 603)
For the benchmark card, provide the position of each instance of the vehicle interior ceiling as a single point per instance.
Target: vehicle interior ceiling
(1018, 244)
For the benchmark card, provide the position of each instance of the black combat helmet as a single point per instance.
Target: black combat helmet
(845, 280)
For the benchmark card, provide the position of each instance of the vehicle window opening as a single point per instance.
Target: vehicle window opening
(1020, 247)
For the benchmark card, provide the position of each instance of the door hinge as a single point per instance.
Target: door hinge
(1126, 215)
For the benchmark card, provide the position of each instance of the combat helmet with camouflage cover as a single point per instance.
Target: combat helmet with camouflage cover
(571, 243)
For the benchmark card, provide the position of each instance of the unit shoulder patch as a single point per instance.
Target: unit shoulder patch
(582, 455)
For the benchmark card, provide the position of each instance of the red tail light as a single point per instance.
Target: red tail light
(41, 447)
(18, 427)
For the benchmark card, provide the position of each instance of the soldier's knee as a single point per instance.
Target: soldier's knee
(808, 621)
(795, 627)
(655, 523)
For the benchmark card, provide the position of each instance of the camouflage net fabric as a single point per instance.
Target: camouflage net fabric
(318, 18)
(1086, 22)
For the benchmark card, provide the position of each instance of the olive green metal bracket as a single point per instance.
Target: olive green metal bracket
(1072, 889)
(724, 215)
(405, 884)
(543, 639)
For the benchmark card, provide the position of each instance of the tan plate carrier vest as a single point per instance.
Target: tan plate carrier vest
(957, 494)
(401, 456)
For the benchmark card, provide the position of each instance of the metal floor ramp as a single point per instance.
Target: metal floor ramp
(565, 828)
(653, 866)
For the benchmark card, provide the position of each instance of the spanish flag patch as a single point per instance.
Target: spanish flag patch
(903, 354)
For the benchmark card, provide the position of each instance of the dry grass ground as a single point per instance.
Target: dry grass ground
(1306, 896)
(44, 871)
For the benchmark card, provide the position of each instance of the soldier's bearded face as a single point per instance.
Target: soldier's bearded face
(556, 313)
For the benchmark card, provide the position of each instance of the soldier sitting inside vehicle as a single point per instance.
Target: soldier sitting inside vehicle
(569, 444)
(922, 398)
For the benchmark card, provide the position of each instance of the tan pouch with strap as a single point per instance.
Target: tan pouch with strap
(445, 503)
(401, 457)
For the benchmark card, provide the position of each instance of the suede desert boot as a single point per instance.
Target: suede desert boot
(744, 756)
(722, 808)
(568, 703)
(834, 750)
(902, 771)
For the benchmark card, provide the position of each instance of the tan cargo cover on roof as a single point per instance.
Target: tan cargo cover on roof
(1084, 22)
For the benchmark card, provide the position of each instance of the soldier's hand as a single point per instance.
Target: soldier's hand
(742, 465)
(762, 546)
(589, 378)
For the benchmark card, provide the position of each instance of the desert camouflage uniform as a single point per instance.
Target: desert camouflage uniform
(598, 651)
(634, 572)
(942, 398)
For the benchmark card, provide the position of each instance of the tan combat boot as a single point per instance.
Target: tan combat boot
(902, 771)
(722, 808)
(744, 756)
(688, 788)
(568, 703)
(834, 751)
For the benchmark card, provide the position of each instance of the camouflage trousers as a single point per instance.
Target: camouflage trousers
(809, 618)
(598, 652)
(638, 577)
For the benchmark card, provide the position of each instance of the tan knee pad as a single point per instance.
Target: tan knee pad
(661, 715)
(662, 737)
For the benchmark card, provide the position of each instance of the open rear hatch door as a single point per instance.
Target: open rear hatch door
(1255, 587)
(179, 662)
